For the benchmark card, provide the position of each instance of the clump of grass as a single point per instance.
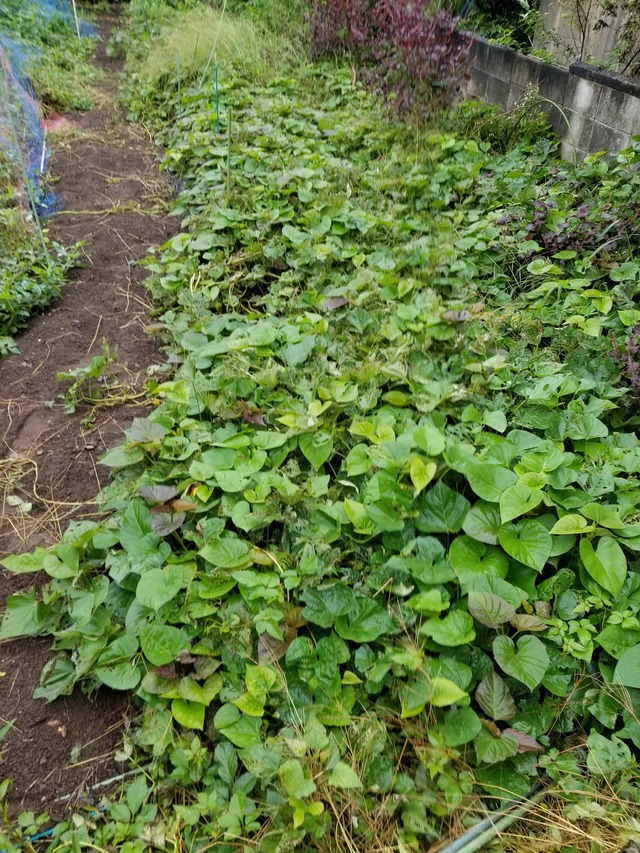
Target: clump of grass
(61, 89)
(199, 39)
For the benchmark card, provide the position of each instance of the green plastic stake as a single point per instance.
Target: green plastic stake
(179, 88)
(217, 102)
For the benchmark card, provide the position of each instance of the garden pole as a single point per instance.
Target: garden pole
(75, 16)
(217, 102)
(179, 90)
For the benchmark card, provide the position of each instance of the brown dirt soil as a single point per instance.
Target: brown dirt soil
(113, 198)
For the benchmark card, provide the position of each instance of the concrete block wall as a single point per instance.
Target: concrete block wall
(589, 109)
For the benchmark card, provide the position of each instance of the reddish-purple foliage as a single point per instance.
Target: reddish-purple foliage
(415, 59)
(628, 357)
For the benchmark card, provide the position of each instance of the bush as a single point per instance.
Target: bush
(414, 58)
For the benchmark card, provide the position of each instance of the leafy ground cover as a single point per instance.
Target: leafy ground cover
(371, 560)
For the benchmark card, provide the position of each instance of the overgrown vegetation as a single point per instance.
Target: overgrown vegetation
(410, 52)
(40, 51)
(514, 23)
(54, 59)
(370, 565)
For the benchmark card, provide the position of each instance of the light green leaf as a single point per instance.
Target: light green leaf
(117, 667)
(488, 481)
(482, 522)
(602, 515)
(571, 524)
(607, 565)
(161, 644)
(428, 602)
(607, 756)
(495, 420)
(32, 562)
(121, 457)
(527, 664)
(518, 500)
(422, 472)
(293, 778)
(469, 557)
(491, 749)
(156, 587)
(430, 440)
(443, 692)
(527, 541)
(188, 714)
(627, 671)
(317, 447)
(23, 616)
(456, 629)
(227, 554)
(241, 730)
(343, 776)
(460, 726)
(365, 622)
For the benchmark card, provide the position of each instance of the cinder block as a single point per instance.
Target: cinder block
(568, 152)
(557, 118)
(618, 110)
(515, 96)
(498, 91)
(609, 79)
(526, 70)
(579, 134)
(477, 84)
(552, 83)
(479, 53)
(500, 61)
(582, 95)
(607, 138)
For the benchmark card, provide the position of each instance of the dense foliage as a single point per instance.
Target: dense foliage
(373, 554)
(40, 51)
(52, 56)
(412, 53)
(516, 23)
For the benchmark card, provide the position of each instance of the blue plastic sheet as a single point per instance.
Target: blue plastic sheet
(22, 134)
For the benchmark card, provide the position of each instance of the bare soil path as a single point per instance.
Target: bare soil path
(113, 198)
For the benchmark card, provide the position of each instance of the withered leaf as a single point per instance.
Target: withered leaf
(526, 743)
(332, 303)
(252, 415)
(157, 494)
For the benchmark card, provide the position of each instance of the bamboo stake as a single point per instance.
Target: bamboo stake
(75, 15)
(215, 45)
(44, 151)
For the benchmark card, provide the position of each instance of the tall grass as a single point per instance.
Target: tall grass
(198, 40)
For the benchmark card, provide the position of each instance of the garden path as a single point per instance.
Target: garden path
(113, 198)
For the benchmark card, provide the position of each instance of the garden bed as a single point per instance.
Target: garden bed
(367, 566)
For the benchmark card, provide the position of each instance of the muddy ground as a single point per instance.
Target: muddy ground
(113, 197)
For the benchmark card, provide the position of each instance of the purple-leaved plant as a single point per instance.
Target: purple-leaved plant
(628, 357)
(414, 56)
